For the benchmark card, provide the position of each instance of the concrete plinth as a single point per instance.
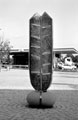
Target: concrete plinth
(47, 99)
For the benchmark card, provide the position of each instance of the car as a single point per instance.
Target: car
(62, 66)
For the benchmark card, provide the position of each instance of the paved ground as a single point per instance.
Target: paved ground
(65, 81)
(15, 79)
(13, 104)
(19, 79)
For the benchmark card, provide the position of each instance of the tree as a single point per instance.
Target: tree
(4, 51)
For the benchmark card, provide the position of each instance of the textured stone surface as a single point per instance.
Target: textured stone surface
(13, 106)
(33, 99)
(40, 52)
(48, 99)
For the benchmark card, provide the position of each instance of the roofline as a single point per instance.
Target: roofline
(19, 50)
(65, 49)
(54, 50)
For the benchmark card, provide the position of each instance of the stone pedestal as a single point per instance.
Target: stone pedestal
(45, 100)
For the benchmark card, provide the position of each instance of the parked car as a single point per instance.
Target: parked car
(66, 67)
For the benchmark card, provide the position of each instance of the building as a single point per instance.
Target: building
(20, 56)
(60, 53)
(65, 50)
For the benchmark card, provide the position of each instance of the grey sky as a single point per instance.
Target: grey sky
(15, 15)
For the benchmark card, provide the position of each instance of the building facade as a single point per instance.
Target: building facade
(20, 57)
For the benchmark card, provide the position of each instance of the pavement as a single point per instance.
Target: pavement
(15, 86)
(13, 106)
(19, 79)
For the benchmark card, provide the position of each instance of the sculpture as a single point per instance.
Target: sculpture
(40, 58)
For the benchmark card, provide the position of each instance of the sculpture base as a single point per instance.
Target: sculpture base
(45, 99)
